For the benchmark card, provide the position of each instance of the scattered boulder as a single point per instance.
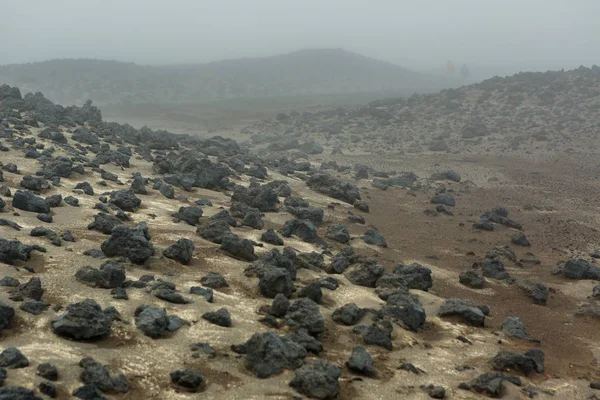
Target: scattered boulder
(449, 175)
(304, 229)
(151, 320)
(406, 310)
(472, 278)
(361, 361)
(253, 219)
(317, 379)
(83, 320)
(444, 198)
(532, 360)
(132, 243)
(348, 314)
(220, 317)
(126, 200)
(513, 326)
(538, 292)
(339, 233)
(86, 187)
(373, 237)
(520, 239)
(377, 334)
(214, 230)
(181, 251)
(111, 274)
(494, 268)
(271, 237)
(415, 275)
(464, 309)
(104, 223)
(333, 187)
(13, 250)
(365, 274)
(190, 215)
(188, 379)
(580, 269)
(490, 384)
(269, 354)
(279, 306)
(103, 377)
(239, 248)
(274, 281)
(26, 200)
(13, 358)
(214, 280)
(304, 314)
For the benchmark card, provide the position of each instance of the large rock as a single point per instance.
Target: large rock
(532, 360)
(415, 275)
(7, 314)
(373, 237)
(304, 314)
(214, 230)
(494, 268)
(83, 320)
(348, 314)
(464, 309)
(513, 326)
(450, 175)
(490, 384)
(405, 309)
(312, 214)
(238, 248)
(377, 334)
(133, 243)
(262, 197)
(182, 251)
(111, 274)
(304, 229)
(27, 201)
(365, 274)
(269, 354)
(188, 379)
(361, 361)
(581, 269)
(34, 183)
(104, 377)
(126, 200)
(317, 379)
(190, 215)
(333, 187)
(444, 198)
(13, 250)
(151, 320)
(339, 233)
(104, 223)
(274, 281)
(472, 278)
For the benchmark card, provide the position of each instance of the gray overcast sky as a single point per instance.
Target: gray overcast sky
(420, 34)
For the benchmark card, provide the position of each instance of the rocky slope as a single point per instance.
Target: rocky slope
(517, 114)
(142, 264)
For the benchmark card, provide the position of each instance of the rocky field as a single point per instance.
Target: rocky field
(140, 264)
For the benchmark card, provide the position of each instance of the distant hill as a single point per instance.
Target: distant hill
(304, 72)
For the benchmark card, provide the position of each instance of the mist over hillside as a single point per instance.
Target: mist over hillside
(304, 72)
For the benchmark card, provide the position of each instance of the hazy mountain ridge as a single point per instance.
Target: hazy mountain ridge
(526, 110)
(322, 71)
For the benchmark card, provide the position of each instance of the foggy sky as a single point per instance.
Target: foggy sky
(419, 34)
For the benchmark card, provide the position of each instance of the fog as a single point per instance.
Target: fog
(508, 34)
